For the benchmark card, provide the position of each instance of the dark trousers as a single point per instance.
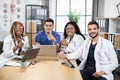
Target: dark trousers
(87, 75)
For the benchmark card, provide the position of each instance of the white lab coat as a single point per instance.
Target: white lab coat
(75, 43)
(9, 44)
(8, 53)
(105, 56)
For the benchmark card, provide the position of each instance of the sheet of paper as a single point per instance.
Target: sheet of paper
(13, 63)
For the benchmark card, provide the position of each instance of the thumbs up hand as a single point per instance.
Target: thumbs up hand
(51, 37)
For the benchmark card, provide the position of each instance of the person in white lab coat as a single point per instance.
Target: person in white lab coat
(98, 57)
(16, 43)
(73, 38)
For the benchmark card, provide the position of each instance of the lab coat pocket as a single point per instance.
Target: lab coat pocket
(103, 57)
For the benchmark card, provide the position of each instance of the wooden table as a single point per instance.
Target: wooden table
(42, 70)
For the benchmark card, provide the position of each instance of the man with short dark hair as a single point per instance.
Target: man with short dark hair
(97, 55)
(48, 36)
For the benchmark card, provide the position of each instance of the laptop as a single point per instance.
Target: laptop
(32, 53)
(47, 50)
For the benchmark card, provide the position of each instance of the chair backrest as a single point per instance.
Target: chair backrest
(1, 46)
(117, 70)
(118, 54)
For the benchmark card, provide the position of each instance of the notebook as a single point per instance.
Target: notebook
(47, 50)
(32, 53)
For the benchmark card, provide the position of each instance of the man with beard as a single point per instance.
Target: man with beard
(98, 57)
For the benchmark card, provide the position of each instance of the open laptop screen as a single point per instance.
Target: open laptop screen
(32, 53)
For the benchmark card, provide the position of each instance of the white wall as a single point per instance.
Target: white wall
(5, 22)
(110, 9)
(4, 29)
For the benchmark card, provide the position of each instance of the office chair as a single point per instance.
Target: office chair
(1, 46)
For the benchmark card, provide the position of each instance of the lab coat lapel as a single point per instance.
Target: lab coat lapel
(98, 46)
(86, 48)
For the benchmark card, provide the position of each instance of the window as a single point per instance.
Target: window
(84, 7)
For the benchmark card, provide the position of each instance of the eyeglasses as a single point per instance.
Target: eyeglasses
(18, 27)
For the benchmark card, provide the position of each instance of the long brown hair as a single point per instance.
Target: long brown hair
(12, 30)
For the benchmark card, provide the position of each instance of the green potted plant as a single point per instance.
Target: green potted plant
(23, 62)
(24, 58)
(73, 16)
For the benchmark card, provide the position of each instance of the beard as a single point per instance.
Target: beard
(93, 36)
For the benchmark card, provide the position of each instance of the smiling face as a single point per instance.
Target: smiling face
(48, 27)
(93, 30)
(18, 29)
(70, 30)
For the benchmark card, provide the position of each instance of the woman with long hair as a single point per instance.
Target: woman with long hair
(16, 43)
(73, 38)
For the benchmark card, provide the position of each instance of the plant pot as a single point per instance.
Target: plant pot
(25, 64)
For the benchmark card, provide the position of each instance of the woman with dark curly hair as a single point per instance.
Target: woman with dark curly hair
(73, 38)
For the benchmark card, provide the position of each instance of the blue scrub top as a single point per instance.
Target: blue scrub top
(41, 38)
